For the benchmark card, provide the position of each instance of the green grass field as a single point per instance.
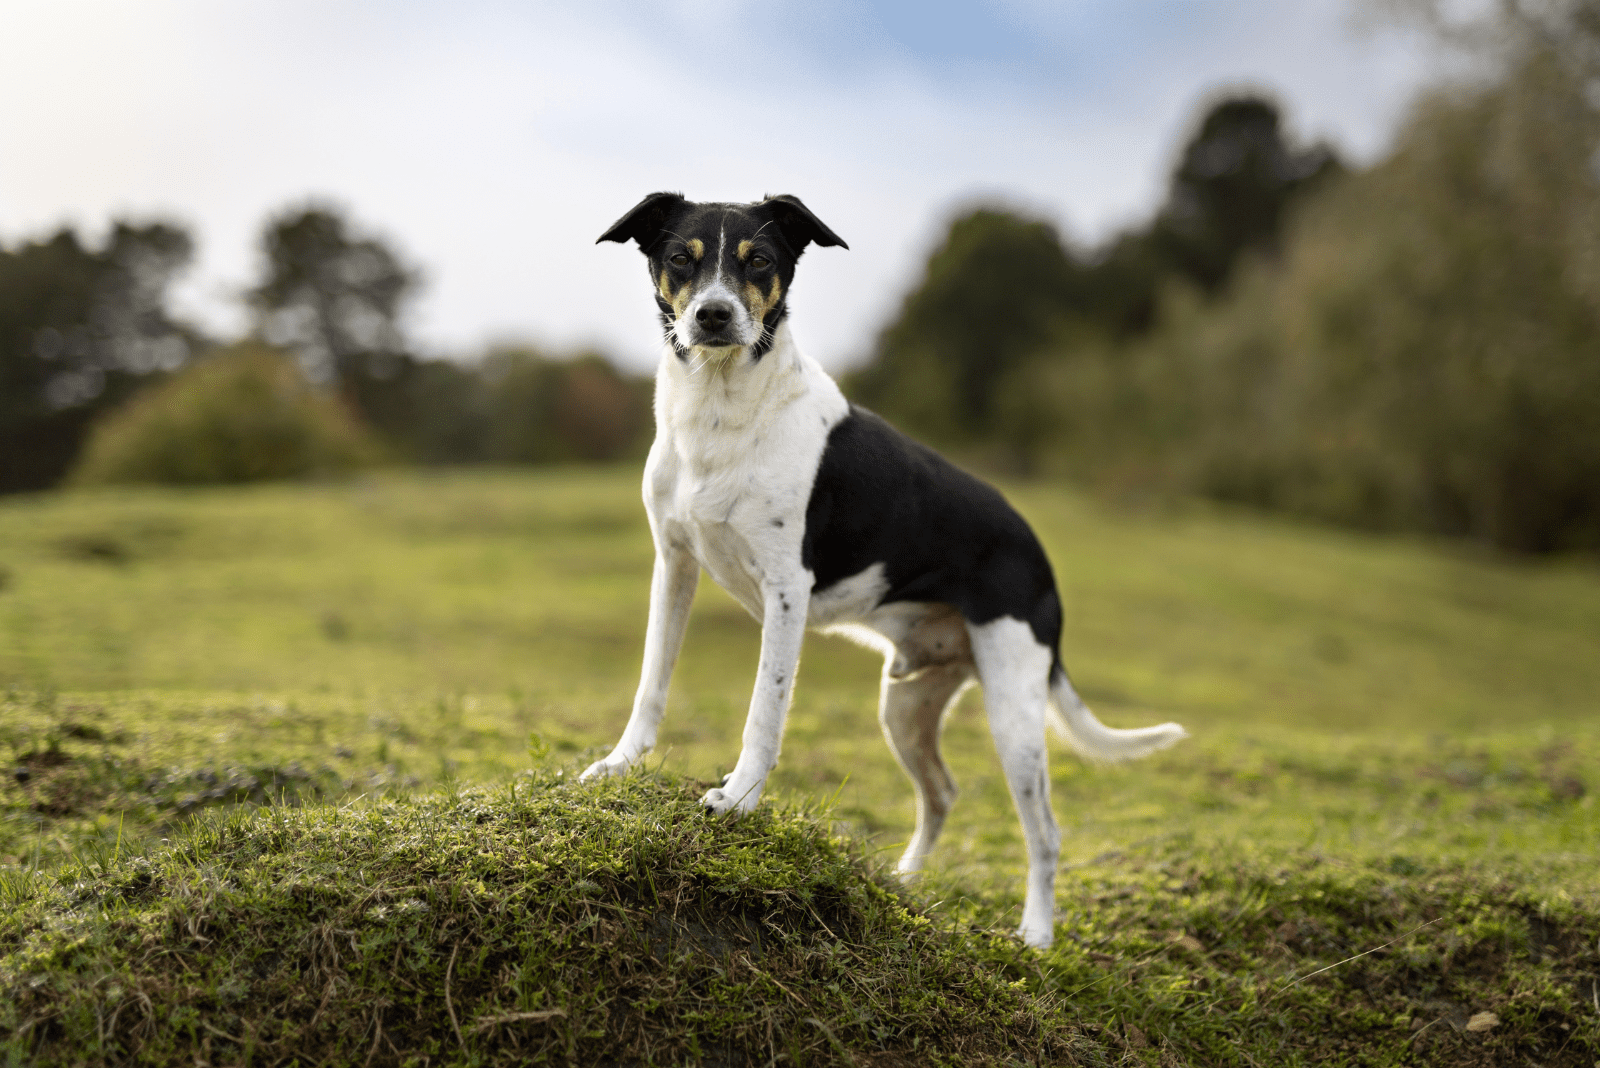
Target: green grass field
(1387, 733)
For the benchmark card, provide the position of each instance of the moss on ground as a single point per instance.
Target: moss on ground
(544, 922)
(535, 922)
(1257, 957)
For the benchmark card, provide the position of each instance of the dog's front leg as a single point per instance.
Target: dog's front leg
(672, 586)
(783, 628)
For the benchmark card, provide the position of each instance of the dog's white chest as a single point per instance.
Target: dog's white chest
(714, 518)
(731, 472)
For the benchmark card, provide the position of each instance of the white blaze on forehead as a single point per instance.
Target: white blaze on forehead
(722, 244)
(720, 288)
(744, 330)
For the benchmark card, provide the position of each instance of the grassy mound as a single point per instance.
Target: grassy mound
(540, 922)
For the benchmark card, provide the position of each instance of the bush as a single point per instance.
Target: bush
(244, 414)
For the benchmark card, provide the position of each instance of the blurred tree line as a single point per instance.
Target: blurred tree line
(80, 330)
(1003, 291)
(97, 374)
(1415, 346)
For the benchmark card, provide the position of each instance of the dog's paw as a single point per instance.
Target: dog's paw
(1037, 935)
(604, 769)
(723, 801)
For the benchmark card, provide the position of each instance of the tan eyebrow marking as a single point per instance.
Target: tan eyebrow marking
(697, 247)
(744, 249)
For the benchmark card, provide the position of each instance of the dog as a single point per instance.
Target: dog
(813, 512)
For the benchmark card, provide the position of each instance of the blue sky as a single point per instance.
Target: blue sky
(492, 142)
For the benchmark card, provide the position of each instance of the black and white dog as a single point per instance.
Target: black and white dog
(812, 512)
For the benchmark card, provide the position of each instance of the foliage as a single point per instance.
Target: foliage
(1413, 347)
(79, 329)
(337, 297)
(245, 414)
(82, 330)
(1229, 197)
(1002, 288)
(516, 405)
(331, 294)
(1425, 356)
(992, 295)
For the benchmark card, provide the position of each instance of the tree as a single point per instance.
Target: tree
(1229, 195)
(1424, 355)
(992, 295)
(1001, 291)
(1231, 189)
(333, 295)
(79, 328)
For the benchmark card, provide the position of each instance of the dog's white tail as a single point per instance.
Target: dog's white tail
(1092, 739)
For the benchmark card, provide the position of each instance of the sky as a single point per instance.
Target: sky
(490, 143)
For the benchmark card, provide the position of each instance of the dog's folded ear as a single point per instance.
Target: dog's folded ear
(798, 226)
(643, 224)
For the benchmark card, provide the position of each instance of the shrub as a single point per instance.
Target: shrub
(244, 414)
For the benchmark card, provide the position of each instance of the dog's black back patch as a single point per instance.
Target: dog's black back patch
(941, 534)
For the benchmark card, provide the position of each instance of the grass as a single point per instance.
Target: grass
(1389, 736)
(330, 934)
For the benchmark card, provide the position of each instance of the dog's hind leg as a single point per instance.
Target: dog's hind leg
(1014, 670)
(911, 710)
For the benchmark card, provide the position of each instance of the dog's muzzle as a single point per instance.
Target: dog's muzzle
(713, 324)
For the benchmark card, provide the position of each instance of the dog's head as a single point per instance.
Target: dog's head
(721, 271)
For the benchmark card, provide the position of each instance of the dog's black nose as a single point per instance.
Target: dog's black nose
(714, 315)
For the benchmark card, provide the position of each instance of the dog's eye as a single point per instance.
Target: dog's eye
(760, 263)
(680, 260)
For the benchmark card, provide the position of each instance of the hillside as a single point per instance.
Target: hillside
(1393, 755)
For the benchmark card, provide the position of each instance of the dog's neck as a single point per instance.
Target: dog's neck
(728, 390)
